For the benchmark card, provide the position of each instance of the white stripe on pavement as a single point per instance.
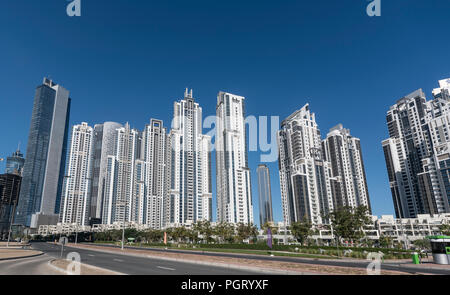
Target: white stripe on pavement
(166, 268)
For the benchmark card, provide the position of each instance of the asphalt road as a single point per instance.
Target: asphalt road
(354, 264)
(133, 265)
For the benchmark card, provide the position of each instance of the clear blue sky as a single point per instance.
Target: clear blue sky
(128, 60)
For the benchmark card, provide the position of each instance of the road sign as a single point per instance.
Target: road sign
(63, 240)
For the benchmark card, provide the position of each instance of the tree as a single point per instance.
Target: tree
(179, 234)
(422, 244)
(301, 230)
(204, 228)
(386, 242)
(266, 226)
(253, 232)
(225, 232)
(131, 233)
(445, 229)
(348, 223)
(242, 232)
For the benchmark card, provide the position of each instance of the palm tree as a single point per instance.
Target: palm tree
(225, 232)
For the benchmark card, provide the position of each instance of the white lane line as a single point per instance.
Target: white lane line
(166, 268)
(91, 255)
(118, 260)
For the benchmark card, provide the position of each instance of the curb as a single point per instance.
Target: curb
(21, 257)
(85, 265)
(222, 265)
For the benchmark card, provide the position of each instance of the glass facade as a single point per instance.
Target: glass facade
(46, 152)
(265, 195)
(14, 163)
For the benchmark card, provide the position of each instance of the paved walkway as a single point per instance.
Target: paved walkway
(14, 253)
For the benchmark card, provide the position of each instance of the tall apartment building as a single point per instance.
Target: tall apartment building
(265, 195)
(343, 151)
(75, 204)
(104, 145)
(305, 177)
(234, 194)
(439, 133)
(154, 145)
(120, 203)
(43, 172)
(190, 194)
(416, 153)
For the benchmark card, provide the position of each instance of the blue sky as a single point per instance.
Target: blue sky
(128, 60)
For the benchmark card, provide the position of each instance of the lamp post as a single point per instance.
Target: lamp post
(123, 204)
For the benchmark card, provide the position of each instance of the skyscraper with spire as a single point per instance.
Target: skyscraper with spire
(189, 158)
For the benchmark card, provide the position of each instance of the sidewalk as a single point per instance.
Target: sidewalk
(12, 253)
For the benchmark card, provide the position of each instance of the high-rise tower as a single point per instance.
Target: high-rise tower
(265, 195)
(154, 143)
(234, 194)
(305, 177)
(119, 203)
(105, 136)
(43, 173)
(417, 153)
(190, 168)
(344, 153)
(75, 204)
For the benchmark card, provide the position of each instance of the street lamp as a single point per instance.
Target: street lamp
(123, 205)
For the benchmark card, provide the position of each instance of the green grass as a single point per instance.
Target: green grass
(237, 251)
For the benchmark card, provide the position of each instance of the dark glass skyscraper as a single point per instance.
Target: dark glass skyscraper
(43, 173)
(265, 195)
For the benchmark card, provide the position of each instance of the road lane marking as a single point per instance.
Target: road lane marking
(91, 255)
(118, 260)
(166, 268)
